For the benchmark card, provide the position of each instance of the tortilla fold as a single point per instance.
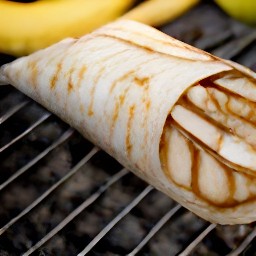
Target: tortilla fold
(178, 117)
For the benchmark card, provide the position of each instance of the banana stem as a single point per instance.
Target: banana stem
(159, 12)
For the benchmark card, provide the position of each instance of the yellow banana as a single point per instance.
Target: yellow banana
(159, 12)
(27, 27)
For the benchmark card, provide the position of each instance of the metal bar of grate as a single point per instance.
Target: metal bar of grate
(120, 216)
(235, 47)
(244, 244)
(50, 190)
(155, 229)
(25, 168)
(13, 110)
(78, 210)
(28, 130)
(197, 240)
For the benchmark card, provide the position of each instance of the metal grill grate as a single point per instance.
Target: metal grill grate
(60, 195)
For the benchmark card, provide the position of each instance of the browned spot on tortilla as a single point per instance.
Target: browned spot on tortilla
(55, 76)
(116, 112)
(120, 79)
(81, 107)
(90, 112)
(81, 75)
(111, 56)
(128, 130)
(121, 99)
(151, 51)
(92, 92)
(147, 104)
(173, 43)
(70, 83)
(119, 103)
(70, 86)
(34, 73)
(141, 81)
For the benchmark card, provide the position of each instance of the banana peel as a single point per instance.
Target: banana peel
(159, 12)
(27, 27)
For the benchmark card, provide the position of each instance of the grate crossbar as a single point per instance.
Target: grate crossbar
(49, 191)
(25, 168)
(244, 244)
(234, 47)
(111, 224)
(77, 211)
(27, 131)
(13, 110)
(155, 229)
(188, 250)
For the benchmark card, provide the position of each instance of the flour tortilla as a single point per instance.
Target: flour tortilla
(117, 86)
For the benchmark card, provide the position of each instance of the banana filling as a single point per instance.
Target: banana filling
(209, 141)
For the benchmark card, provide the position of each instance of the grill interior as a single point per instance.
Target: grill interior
(61, 195)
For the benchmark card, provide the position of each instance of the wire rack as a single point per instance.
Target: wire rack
(61, 195)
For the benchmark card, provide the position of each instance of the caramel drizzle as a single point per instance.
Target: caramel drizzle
(195, 157)
(196, 146)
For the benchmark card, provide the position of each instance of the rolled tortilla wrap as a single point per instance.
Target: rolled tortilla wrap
(178, 117)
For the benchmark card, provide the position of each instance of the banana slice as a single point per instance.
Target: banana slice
(232, 113)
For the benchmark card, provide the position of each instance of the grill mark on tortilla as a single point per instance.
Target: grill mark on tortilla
(121, 99)
(112, 55)
(151, 50)
(119, 103)
(70, 83)
(92, 92)
(120, 79)
(81, 75)
(128, 142)
(34, 73)
(176, 43)
(147, 103)
(55, 77)
(141, 81)
(116, 112)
